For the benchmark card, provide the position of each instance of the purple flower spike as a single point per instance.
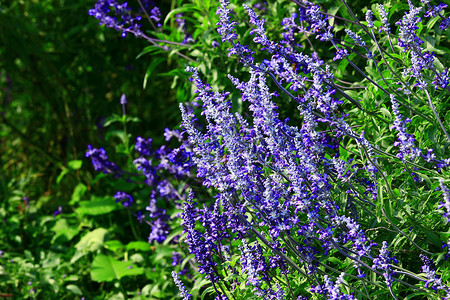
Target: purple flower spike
(446, 203)
(383, 261)
(183, 291)
(100, 161)
(112, 14)
(58, 211)
(226, 26)
(124, 198)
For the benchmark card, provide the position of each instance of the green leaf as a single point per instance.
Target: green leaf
(92, 241)
(62, 229)
(208, 290)
(114, 245)
(199, 284)
(97, 206)
(155, 62)
(74, 289)
(61, 175)
(114, 118)
(184, 8)
(139, 245)
(78, 192)
(433, 237)
(75, 164)
(386, 112)
(106, 268)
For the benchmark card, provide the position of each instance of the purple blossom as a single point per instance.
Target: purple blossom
(225, 25)
(433, 280)
(408, 38)
(183, 291)
(435, 10)
(121, 19)
(340, 54)
(125, 199)
(446, 203)
(383, 261)
(101, 162)
(356, 38)
(369, 19)
(169, 134)
(384, 19)
(331, 290)
(176, 258)
(405, 141)
(160, 229)
(441, 80)
(446, 246)
(143, 146)
(445, 24)
(215, 44)
(202, 249)
(58, 211)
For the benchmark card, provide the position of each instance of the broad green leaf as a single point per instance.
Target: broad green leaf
(107, 268)
(139, 245)
(62, 229)
(97, 206)
(75, 164)
(114, 245)
(93, 240)
(74, 289)
(78, 192)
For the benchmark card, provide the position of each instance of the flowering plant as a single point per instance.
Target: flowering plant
(342, 199)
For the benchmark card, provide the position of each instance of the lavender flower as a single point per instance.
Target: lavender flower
(442, 80)
(408, 38)
(446, 203)
(435, 10)
(433, 280)
(159, 231)
(122, 19)
(183, 291)
(405, 140)
(101, 162)
(369, 19)
(446, 246)
(356, 38)
(202, 250)
(160, 228)
(445, 23)
(169, 134)
(383, 261)
(340, 54)
(226, 26)
(125, 199)
(58, 211)
(384, 19)
(143, 146)
(332, 291)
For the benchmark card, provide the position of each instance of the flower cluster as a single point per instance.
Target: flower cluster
(121, 19)
(433, 280)
(101, 162)
(154, 165)
(384, 261)
(183, 291)
(273, 180)
(286, 198)
(446, 203)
